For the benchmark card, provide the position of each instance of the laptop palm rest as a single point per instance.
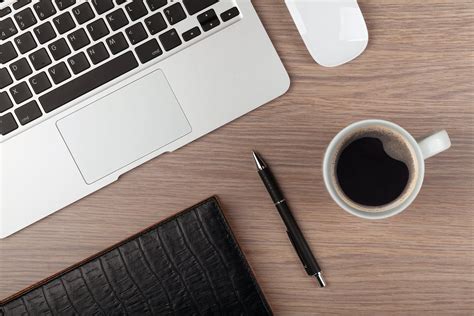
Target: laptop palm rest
(124, 126)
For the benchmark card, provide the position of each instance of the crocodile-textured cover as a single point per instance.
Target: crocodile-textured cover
(189, 264)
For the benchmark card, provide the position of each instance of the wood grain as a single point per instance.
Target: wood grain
(417, 72)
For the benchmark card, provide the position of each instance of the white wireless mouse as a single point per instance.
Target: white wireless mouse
(334, 31)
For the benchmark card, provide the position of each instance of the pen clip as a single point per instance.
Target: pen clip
(298, 253)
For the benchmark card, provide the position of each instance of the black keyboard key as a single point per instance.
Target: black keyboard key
(20, 92)
(5, 102)
(175, 13)
(117, 43)
(119, 2)
(64, 23)
(156, 23)
(78, 39)
(148, 51)
(28, 113)
(7, 53)
(208, 20)
(7, 124)
(25, 42)
(40, 82)
(20, 68)
(136, 33)
(102, 6)
(117, 19)
(44, 33)
(64, 4)
(136, 9)
(88, 82)
(170, 40)
(40, 59)
(98, 29)
(230, 14)
(7, 29)
(83, 13)
(44, 9)
(5, 78)
(59, 49)
(194, 6)
(25, 19)
(20, 4)
(5, 11)
(59, 73)
(156, 4)
(78, 63)
(192, 33)
(98, 53)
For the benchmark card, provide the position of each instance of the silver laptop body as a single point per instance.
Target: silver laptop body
(162, 86)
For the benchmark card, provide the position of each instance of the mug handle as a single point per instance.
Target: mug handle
(437, 143)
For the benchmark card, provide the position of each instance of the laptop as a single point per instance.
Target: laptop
(92, 89)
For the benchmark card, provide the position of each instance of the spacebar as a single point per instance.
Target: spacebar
(88, 82)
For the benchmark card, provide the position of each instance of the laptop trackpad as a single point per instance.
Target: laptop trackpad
(124, 126)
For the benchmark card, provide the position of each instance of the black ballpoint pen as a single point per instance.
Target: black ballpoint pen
(294, 233)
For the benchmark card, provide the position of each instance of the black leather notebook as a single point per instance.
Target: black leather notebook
(189, 264)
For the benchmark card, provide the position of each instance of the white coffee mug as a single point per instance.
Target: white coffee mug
(420, 150)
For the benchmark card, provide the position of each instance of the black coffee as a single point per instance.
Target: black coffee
(368, 176)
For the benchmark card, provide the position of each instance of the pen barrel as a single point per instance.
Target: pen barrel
(294, 233)
(297, 239)
(271, 185)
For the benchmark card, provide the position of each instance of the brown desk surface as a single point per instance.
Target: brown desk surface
(417, 71)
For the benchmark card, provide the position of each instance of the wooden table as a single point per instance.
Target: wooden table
(417, 72)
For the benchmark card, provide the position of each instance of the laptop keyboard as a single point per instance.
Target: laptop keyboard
(52, 52)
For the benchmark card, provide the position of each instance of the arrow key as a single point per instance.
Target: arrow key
(192, 33)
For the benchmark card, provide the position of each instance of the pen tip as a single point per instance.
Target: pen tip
(258, 160)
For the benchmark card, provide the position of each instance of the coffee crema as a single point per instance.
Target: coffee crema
(374, 169)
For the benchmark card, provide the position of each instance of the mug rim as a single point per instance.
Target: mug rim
(330, 184)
